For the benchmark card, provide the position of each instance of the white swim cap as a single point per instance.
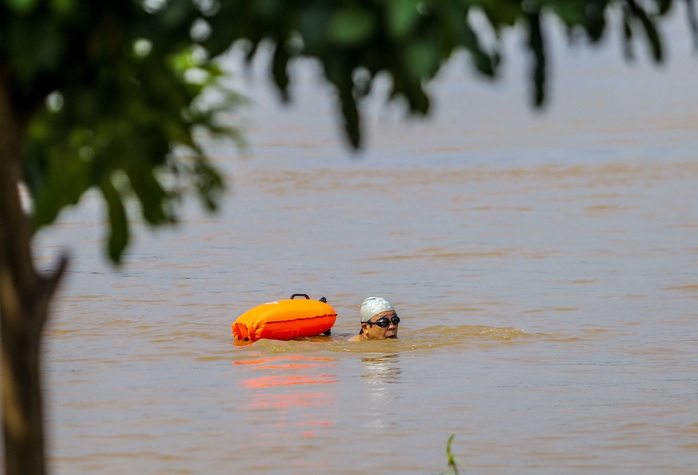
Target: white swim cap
(373, 306)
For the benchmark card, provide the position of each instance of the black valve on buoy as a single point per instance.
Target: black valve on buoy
(327, 333)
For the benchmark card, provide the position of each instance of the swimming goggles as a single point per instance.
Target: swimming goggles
(383, 322)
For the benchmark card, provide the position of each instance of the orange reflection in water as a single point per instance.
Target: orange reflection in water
(263, 363)
(289, 380)
(290, 400)
(289, 391)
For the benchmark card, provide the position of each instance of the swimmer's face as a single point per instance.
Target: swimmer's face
(376, 332)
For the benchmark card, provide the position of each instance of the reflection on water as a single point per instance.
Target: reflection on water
(381, 370)
(381, 374)
(288, 393)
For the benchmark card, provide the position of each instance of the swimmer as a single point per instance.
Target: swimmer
(379, 320)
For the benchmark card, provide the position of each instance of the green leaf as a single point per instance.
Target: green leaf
(118, 222)
(36, 45)
(692, 21)
(652, 34)
(338, 72)
(63, 183)
(153, 197)
(62, 6)
(418, 99)
(422, 58)
(308, 21)
(663, 6)
(22, 6)
(351, 26)
(279, 70)
(537, 47)
(402, 15)
(268, 9)
(571, 13)
(485, 63)
(595, 23)
(452, 465)
(627, 36)
(351, 117)
(210, 185)
(502, 13)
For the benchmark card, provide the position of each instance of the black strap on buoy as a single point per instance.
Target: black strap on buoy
(322, 299)
(329, 330)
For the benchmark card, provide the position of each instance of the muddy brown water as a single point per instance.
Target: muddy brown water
(545, 267)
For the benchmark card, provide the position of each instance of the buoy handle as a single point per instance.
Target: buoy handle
(300, 295)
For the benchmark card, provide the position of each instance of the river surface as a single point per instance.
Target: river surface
(544, 265)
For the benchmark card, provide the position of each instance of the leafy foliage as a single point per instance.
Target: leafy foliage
(409, 40)
(111, 94)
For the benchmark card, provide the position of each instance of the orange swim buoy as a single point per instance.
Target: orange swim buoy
(285, 319)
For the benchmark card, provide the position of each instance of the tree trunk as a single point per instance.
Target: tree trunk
(24, 303)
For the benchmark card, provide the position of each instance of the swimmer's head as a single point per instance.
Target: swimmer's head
(373, 306)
